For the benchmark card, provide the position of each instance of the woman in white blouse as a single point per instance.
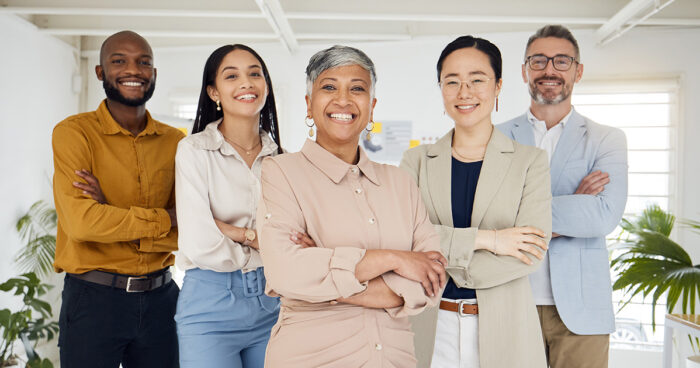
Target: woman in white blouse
(223, 316)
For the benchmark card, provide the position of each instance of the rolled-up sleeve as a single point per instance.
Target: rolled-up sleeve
(425, 239)
(313, 274)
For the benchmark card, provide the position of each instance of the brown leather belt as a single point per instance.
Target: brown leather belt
(132, 284)
(462, 307)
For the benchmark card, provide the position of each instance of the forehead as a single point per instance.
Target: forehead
(346, 72)
(240, 59)
(551, 46)
(465, 61)
(127, 45)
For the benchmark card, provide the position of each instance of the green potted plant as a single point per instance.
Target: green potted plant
(649, 263)
(37, 228)
(29, 324)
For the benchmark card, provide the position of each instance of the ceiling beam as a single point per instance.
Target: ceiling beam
(278, 21)
(632, 14)
(158, 33)
(134, 12)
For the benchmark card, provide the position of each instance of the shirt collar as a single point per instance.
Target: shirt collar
(211, 139)
(335, 168)
(110, 126)
(535, 121)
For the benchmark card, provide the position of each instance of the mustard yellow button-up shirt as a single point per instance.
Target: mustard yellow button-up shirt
(136, 175)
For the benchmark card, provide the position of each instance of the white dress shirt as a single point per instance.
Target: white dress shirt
(212, 181)
(546, 140)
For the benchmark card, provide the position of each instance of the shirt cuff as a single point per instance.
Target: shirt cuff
(342, 269)
(414, 298)
(163, 223)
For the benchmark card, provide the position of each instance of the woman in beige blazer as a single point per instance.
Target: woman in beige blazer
(376, 260)
(489, 198)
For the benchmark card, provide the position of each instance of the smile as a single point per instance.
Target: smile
(132, 83)
(467, 107)
(342, 117)
(246, 97)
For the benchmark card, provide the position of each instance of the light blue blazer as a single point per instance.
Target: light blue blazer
(579, 264)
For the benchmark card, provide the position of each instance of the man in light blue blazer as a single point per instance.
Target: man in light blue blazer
(572, 288)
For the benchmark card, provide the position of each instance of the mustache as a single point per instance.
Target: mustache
(551, 79)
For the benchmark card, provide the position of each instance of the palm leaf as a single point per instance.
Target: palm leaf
(37, 228)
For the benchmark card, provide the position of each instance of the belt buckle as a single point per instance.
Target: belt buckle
(128, 284)
(460, 308)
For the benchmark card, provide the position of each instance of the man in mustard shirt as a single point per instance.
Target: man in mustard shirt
(114, 194)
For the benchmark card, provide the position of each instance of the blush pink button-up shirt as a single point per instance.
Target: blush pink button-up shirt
(346, 209)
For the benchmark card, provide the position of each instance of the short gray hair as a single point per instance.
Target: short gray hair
(556, 31)
(338, 56)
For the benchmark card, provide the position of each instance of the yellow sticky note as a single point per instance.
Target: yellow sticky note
(413, 143)
(377, 127)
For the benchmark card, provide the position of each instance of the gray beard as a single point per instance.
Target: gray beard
(539, 98)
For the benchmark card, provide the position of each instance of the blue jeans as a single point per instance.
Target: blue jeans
(101, 326)
(224, 319)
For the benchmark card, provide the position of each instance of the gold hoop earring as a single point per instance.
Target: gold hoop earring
(218, 105)
(311, 126)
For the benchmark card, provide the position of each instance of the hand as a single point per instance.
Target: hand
(92, 188)
(593, 183)
(428, 268)
(235, 233)
(555, 235)
(515, 241)
(302, 239)
(173, 216)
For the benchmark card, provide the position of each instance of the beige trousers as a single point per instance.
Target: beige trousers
(565, 349)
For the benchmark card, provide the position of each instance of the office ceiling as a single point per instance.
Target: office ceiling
(184, 23)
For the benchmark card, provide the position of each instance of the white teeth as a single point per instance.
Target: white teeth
(132, 84)
(550, 83)
(346, 117)
(249, 96)
(465, 107)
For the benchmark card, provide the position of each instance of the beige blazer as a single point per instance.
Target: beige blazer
(513, 190)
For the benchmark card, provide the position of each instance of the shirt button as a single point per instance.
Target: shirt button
(372, 220)
(358, 191)
(267, 216)
(378, 346)
(354, 170)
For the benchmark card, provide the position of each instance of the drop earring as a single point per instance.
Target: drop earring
(218, 105)
(311, 126)
(369, 129)
(496, 104)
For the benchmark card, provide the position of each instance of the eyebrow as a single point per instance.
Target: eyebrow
(122, 54)
(352, 80)
(235, 68)
(477, 72)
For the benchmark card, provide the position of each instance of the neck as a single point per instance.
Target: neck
(472, 137)
(347, 152)
(243, 131)
(551, 114)
(131, 118)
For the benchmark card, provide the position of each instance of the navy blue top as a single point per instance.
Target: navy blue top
(465, 176)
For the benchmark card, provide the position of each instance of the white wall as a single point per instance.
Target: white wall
(35, 93)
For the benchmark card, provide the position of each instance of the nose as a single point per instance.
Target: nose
(549, 67)
(245, 82)
(343, 97)
(464, 90)
(132, 68)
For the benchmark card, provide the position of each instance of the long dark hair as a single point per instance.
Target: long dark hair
(206, 109)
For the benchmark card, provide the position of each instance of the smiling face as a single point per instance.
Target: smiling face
(126, 69)
(341, 105)
(239, 85)
(551, 86)
(471, 106)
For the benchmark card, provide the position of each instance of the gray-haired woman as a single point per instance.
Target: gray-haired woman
(374, 258)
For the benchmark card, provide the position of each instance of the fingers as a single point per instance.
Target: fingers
(521, 256)
(532, 250)
(593, 183)
(532, 230)
(87, 176)
(434, 282)
(535, 240)
(302, 239)
(438, 257)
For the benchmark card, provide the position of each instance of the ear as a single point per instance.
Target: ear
(155, 73)
(371, 110)
(308, 106)
(99, 71)
(579, 72)
(213, 93)
(524, 71)
(499, 85)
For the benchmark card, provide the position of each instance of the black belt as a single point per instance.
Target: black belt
(132, 284)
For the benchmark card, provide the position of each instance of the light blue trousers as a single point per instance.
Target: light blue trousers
(224, 319)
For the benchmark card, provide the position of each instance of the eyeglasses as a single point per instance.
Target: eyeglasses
(561, 63)
(450, 86)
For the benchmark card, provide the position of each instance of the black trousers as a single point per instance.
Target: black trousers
(101, 326)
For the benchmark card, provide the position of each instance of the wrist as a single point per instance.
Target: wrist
(485, 239)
